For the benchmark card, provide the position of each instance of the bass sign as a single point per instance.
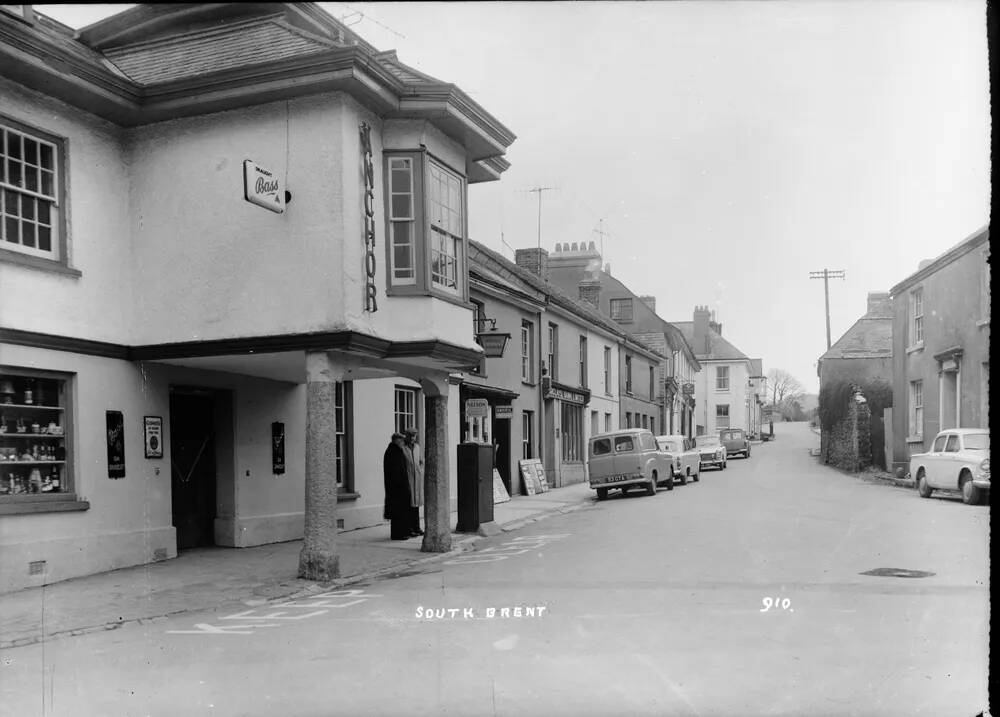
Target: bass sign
(262, 187)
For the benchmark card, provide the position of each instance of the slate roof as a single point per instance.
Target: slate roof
(236, 45)
(719, 348)
(870, 337)
(482, 256)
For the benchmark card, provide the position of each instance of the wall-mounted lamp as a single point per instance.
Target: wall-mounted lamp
(493, 342)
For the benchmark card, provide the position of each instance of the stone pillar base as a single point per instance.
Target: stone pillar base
(318, 566)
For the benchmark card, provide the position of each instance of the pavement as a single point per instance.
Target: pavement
(207, 577)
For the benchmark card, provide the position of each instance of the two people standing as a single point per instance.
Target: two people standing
(403, 472)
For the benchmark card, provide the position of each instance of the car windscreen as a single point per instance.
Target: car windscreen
(600, 447)
(708, 442)
(671, 446)
(978, 441)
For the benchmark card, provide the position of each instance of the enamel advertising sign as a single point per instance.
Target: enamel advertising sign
(262, 187)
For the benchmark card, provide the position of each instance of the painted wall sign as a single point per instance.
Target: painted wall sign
(277, 448)
(477, 408)
(564, 395)
(115, 423)
(503, 411)
(152, 428)
(687, 389)
(371, 300)
(262, 187)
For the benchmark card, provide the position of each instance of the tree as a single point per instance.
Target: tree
(785, 389)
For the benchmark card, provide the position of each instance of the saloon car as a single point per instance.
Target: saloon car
(625, 459)
(735, 440)
(684, 459)
(959, 459)
(712, 452)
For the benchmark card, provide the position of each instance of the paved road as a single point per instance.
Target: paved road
(640, 606)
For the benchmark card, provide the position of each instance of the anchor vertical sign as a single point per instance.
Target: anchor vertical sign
(371, 299)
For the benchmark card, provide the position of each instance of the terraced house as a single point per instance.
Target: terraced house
(226, 230)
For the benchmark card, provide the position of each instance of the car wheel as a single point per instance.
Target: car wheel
(670, 482)
(922, 488)
(684, 479)
(723, 465)
(971, 495)
(696, 476)
(602, 494)
(651, 488)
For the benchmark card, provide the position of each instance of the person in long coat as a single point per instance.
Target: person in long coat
(415, 471)
(397, 489)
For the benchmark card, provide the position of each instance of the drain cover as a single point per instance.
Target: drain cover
(897, 573)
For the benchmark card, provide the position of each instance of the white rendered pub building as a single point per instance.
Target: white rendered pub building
(233, 260)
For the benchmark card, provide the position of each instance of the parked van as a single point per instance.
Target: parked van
(625, 459)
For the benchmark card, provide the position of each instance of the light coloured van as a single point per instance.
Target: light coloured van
(625, 459)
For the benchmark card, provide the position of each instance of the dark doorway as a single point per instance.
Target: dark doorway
(878, 441)
(192, 468)
(501, 436)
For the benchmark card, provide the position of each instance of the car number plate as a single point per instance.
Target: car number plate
(616, 479)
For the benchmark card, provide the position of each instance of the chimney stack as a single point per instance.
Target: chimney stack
(879, 305)
(649, 301)
(534, 260)
(590, 292)
(702, 317)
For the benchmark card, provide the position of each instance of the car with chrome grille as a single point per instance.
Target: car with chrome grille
(959, 459)
(711, 452)
(626, 459)
(683, 455)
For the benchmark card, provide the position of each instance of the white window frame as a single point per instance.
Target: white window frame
(35, 189)
(622, 310)
(405, 413)
(527, 335)
(553, 352)
(446, 212)
(527, 434)
(916, 322)
(583, 361)
(607, 370)
(401, 275)
(628, 375)
(607, 423)
(723, 418)
(721, 378)
(916, 406)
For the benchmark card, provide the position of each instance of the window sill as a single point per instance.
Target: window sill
(916, 347)
(19, 505)
(914, 439)
(347, 496)
(984, 322)
(412, 290)
(529, 383)
(35, 262)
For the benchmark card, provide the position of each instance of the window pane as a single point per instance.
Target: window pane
(28, 207)
(27, 234)
(47, 156)
(30, 151)
(14, 174)
(401, 206)
(11, 230)
(44, 212)
(11, 203)
(45, 238)
(13, 145)
(401, 177)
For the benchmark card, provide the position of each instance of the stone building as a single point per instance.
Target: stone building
(233, 259)
(941, 347)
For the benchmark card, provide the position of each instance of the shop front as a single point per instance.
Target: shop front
(565, 454)
(486, 416)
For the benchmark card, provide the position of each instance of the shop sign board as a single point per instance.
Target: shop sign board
(564, 395)
(503, 411)
(533, 476)
(262, 187)
(153, 432)
(687, 389)
(115, 424)
(477, 408)
(500, 494)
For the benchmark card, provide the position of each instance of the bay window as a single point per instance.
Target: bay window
(425, 217)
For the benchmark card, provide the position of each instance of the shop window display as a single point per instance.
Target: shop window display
(34, 434)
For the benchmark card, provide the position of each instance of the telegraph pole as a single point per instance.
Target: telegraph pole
(538, 191)
(826, 275)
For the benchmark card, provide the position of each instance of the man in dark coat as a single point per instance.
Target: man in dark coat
(397, 489)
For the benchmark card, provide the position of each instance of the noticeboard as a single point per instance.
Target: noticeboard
(500, 494)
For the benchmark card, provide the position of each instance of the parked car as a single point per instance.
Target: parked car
(735, 440)
(624, 459)
(685, 462)
(712, 452)
(959, 459)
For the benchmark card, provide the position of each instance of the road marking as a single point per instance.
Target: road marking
(517, 546)
(250, 620)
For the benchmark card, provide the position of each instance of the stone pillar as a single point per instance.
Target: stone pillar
(437, 491)
(318, 559)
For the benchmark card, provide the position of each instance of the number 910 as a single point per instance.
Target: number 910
(783, 603)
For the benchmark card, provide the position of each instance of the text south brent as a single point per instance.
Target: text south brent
(468, 613)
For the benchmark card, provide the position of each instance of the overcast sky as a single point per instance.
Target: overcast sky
(727, 149)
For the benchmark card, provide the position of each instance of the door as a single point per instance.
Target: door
(192, 469)
(501, 440)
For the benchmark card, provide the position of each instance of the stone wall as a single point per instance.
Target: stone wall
(848, 445)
